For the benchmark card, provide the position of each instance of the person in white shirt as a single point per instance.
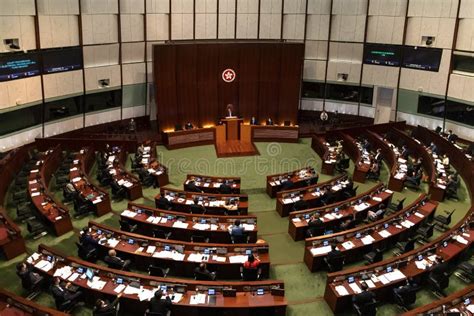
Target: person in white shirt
(324, 117)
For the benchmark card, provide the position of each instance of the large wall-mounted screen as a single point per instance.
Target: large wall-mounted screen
(16, 66)
(59, 60)
(383, 55)
(422, 58)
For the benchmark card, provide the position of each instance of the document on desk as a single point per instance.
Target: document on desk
(369, 283)
(341, 290)
(156, 220)
(419, 215)
(76, 179)
(96, 283)
(396, 275)
(248, 227)
(73, 277)
(376, 198)
(320, 250)
(145, 295)
(200, 226)
(128, 184)
(296, 220)
(348, 245)
(421, 265)
(470, 308)
(162, 254)
(195, 257)
(384, 233)
(113, 242)
(219, 258)
(238, 259)
(383, 279)
(35, 256)
(180, 224)
(119, 288)
(35, 194)
(198, 299)
(407, 224)
(460, 239)
(44, 265)
(64, 272)
(128, 213)
(329, 216)
(130, 290)
(287, 201)
(177, 297)
(163, 220)
(150, 219)
(355, 288)
(214, 227)
(151, 249)
(177, 256)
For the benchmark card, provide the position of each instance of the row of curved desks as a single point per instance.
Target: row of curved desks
(209, 184)
(183, 226)
(328, 154)
(182, 257)
(12, 243)
(350, 147)
(299, 178)
(14, 305)
(334, 214)
(245, 301)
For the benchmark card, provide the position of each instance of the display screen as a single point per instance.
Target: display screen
(59, 60)
(422, 58)
(384, 55)
(16, 66)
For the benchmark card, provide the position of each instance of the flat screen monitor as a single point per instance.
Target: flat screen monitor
(17, 66)
(382, 54)
(422, 58)
(119, 281)
(248, 252)
(260, 292)
(350, 279)
(89, 274)
(60, 60)
(211, 292)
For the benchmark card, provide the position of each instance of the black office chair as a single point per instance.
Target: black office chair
(163, 205)
(127, 227)
(36, 228)
(405, 299)
(158, 233)
(112, 312)
(32, 289)
(82, 209)
(438, 285)
(369, 309)
(424, 233)
(395, 207)
(118, 192)
(198, 275)
(24, 212)
(86, 254)
(452, 192)
(134, 164)
(405, 246)
(112, 264)
(315, 231)
(250, 274)
(148, 313)
(444, 220)
(342, 165)
(157, 271)
(242, 239)
(199, 238)
(335, 263)
(465, 272)
(196, 209)
(374, 256)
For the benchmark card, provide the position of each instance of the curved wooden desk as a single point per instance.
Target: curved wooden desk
(214, 203)
(80, 168)
(152, 165)
(12, 243)
(10, 165)
(406, 264)
(182, 257)
(300, 178)
(327, 153)
(245, 302)
(148, 219)
(351, 148)
(298, 223)
(14, 305)
(210, 184)
(285, 200)
(53, 213)
(354, 243)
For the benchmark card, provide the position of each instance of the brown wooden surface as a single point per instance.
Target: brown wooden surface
(15, 305)
(187, 138)
(272, 190)
(211, 184)
(220, 235)
(275, 133)
(244, 304)
(189, 86)
(232, 128)
(13, 244)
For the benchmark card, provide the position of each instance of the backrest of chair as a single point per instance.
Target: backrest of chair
(409, 297)
(158, 233)
(155, 271)
(148, 313)
(368, 308)
(250, 274)
(200, 276)
(336, 262)
(198, 238)
(240, 239)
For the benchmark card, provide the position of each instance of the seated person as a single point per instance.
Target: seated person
(106, 307)
(301, 204)
(439, 268)
(253, 121)
(252, 262)
(432, 148)
(87, 241)
(159, 305)
(69, 191)
(286, 184)
(334, 253)
(201, 273)
(113, 260)
(347, 224)
(30, 280)
(452, 137)
(188, 125)
(197, 208)
(404, 152)
(315, 226)
(445, 161)
(269, 121)
(414, 181)
(62, 294)
(231, 204)
(192, 187)
(374, 216)
(417, 164)
(374, 171)
(225, 188)
(236, 230)
(163, 203)
(365, 297)
(378, 155)
(403, 289)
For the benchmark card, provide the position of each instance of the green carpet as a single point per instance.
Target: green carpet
(304, 290)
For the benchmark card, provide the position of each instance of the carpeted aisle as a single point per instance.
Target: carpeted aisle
(304, 290)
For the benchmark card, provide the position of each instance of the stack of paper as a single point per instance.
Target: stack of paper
(384, 233)
(130, 290)
(370, 283)
(199, 226)
(348, 245)
(128, 213)
(287, 201)
(145, 295)
(177, 297)
(113, 242)
(219, 258)
(376, 198)
(367, 240)
(64, 272)
(238, 259)
(180, 224)
(195, 257)
(96, 283)
(151, 249)
(320, 250)
(73, 277)
(44, 265)
(355, 288)
(119, 288)
(197, 299)
(248, 227)
(341, 290)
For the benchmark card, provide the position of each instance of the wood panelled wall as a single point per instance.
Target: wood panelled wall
(189, 85)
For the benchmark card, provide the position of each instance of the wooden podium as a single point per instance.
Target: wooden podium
(232, 127)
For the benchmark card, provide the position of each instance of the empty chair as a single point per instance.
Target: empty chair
(444, 220)
(250, 274)
(335, 263)
(157, 271)
(465, 272)
(395, 207)
(240, 239)
(342, 165)
(425, 232)
(406, 246)
(36, 228)
(87, 254)
(158, 233)
(118, 192)
(82, 209)
(134, 164)
(405, 296)
(368, 309)
(24, 211)
(127, 227)
(199, 238)
(374, 256)
(438, 278)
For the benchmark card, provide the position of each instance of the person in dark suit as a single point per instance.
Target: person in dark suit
(106, 307)
(87, 241)
(113, 259)
(61, 293)
(253, 121)
(347, 224)
(225, 188)
(334, 253)
(364, 297)
(196, 208)
(439, 269)
(378, 155)
(192, 187)
(286, 184)
(404, 152)
(315, 225)
(269, 121)
(452, 137)
(202, 273)
(29, 279)
(433, 148)
(236, 230)
(159, 305)
(301, 204)
(403, 289)
(188, 125)
(163, 203)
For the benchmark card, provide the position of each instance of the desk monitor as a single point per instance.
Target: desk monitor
(89, 274)
(445, 244)
(328, 232)
(167, 248)
(306, 216)
(336, 210)
(203, 221)
(163, 288)
(358, 235)
(80, 270)
(467, 301)
(419, 258)
(99, 231)
(206, 251)
(248, 252)
(260, 291)
(389, 269)
(49, 258)
(131, 241)
(325, 243)
(350, 279)
(119, 281)
(211, 292)
(139, 211)
(385, 225)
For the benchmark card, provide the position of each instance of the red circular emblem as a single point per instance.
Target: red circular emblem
(228, 75)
